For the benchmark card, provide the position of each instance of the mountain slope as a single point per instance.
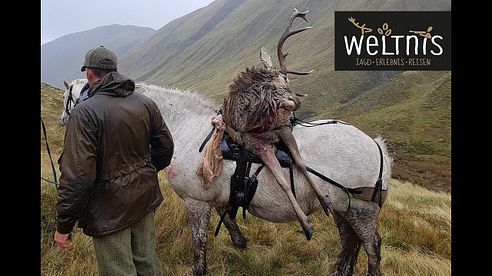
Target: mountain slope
(62, 58)
(204, 50)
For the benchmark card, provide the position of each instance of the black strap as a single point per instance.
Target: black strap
(70, 101)
(346, 190)
(248, 169)
(379, 183)
(380, 177)
(291, 173)
(206, 140)
(333, 182)
(219, 112)
(258, 170)
(49, 154)
(49, 181)
(222, 216)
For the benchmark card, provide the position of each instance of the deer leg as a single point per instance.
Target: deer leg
(237, 238)
(198, 218)
(290, 142)
(268, 157)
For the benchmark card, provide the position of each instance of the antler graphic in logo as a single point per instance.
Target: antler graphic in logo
(362, 28)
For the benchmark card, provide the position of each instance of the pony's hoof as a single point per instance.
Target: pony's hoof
(241, 243)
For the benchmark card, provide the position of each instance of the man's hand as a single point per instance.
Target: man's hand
(63, 240)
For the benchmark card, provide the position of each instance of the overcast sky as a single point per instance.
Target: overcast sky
(62, 17)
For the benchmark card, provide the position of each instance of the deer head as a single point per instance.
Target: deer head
(261, 96)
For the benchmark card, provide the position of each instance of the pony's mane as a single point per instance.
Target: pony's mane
(78, 81)
(193, 100)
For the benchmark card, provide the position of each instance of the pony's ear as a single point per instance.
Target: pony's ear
(265, 58)
(66, 84)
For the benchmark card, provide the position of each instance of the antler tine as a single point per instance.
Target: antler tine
(283, 38)
(299, 73)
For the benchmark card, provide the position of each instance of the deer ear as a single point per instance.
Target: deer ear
(66, 84)
(265, 58)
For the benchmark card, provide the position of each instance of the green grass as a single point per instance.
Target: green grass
(415, 225)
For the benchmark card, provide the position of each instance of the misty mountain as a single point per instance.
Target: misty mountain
(62, 58)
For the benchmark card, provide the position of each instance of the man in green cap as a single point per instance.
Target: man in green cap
(115, 143)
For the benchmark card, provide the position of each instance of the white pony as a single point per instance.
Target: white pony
(339, 151)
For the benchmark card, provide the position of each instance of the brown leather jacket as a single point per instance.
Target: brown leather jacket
(115, 143)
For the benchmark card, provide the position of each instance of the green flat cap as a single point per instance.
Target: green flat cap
(101, 58)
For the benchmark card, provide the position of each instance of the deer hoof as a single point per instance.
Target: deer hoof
(308, 231)
(325, 203)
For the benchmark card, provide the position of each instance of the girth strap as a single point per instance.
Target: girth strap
(333, 182)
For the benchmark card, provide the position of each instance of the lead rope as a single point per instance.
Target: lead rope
(49, 154)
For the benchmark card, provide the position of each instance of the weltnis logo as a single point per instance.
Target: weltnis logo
(392, 41)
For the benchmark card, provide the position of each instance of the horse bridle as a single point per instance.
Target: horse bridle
(70, 101)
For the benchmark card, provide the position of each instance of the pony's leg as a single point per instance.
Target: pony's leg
(362, 218)
(347, 258)
(290, 142)
(268, 157)
(237, 238)
(198, 218)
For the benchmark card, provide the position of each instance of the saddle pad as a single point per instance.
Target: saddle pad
(230, 151)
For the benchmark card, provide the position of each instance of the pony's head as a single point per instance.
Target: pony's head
(71, 94)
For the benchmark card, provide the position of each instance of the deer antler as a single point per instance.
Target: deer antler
(281, 56)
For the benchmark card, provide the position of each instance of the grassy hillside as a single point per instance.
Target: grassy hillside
(415, 225)
(51, 110)
(204, 51)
